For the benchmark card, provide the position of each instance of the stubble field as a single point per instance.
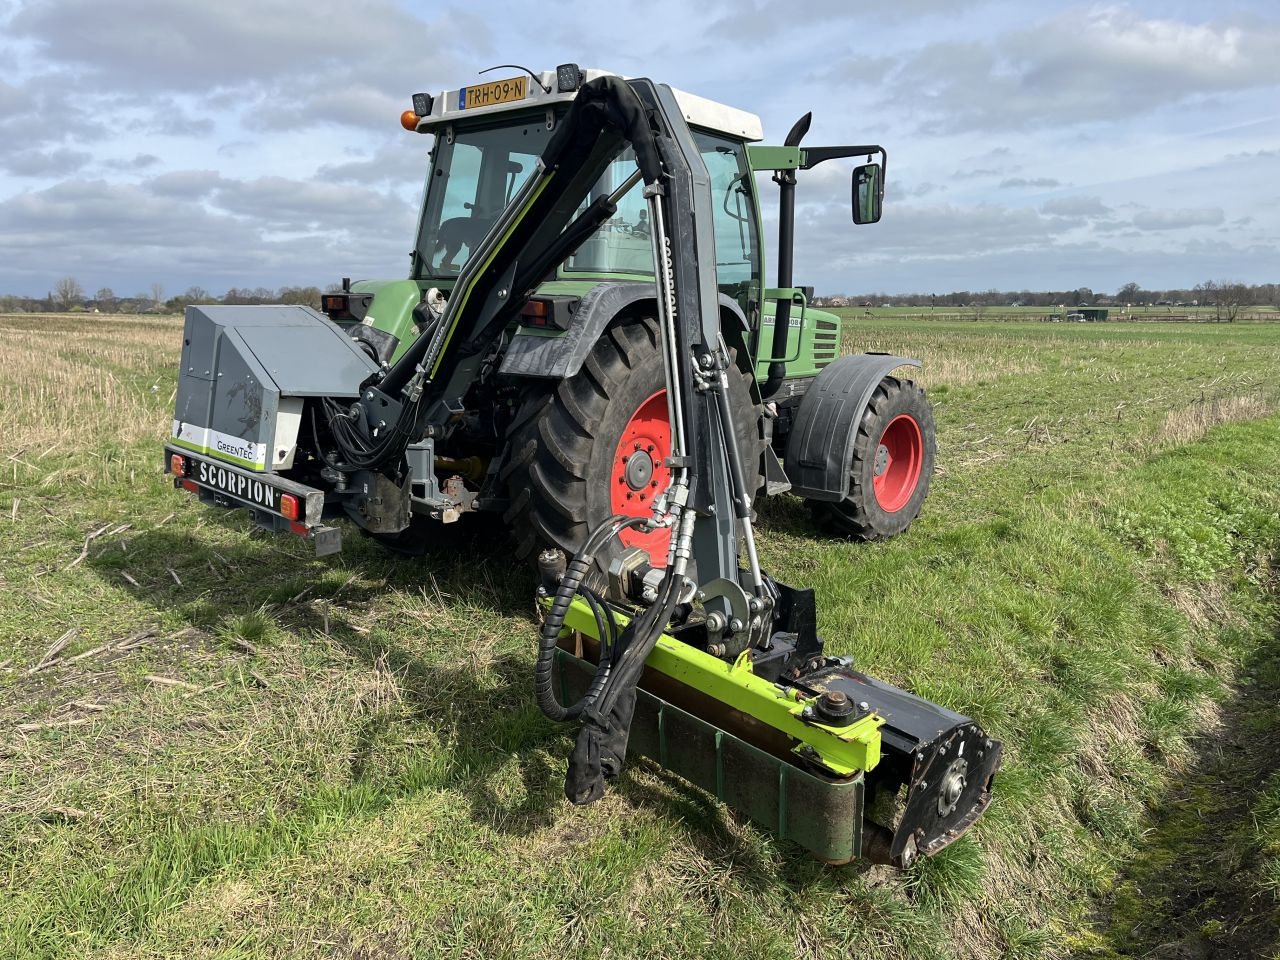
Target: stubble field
(214, 745)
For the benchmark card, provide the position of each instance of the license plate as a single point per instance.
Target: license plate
(240, 485)
(491, 94)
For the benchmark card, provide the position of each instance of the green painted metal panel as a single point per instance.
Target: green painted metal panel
(766, 158)
(842, 750)
(392, 309)
(811, 344)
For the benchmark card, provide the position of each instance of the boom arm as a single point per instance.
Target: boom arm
(534, 234)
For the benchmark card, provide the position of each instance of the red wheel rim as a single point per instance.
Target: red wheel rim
(639, 473)
(899, 458)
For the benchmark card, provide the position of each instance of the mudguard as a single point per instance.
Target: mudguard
(820, 446)
(545, 354)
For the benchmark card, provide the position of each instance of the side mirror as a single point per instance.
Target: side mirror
(868, 193)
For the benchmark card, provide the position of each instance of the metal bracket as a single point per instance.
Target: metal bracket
(732, 614)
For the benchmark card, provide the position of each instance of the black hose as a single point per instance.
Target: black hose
(607, 642)
(569, 587)
(637, 642)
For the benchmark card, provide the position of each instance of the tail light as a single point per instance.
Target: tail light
(554, 312)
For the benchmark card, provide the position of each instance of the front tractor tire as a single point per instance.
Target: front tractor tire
(892, 464)
(597, 446)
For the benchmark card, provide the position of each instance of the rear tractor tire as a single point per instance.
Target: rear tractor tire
(892, 464)
(597, 446)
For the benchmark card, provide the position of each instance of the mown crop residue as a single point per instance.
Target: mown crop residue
(344, 757)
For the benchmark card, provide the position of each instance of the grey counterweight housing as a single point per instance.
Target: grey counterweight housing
(245, 373)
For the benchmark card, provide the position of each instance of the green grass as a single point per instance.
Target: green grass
(1002, 312)
(353, 763)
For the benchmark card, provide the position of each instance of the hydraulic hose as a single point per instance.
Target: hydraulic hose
(639, 639)
(601, 746)
(571, 584)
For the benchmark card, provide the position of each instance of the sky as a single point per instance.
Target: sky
(1032, 145)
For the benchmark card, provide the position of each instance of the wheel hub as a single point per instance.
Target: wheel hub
(953, 783)
(897, 466)
(882, 460)
(640, 473)
(639, 470)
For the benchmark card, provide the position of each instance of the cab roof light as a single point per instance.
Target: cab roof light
(421, 108)
(568, 77)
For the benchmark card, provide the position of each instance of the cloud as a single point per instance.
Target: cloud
(141, 161)
(358, 106)
(132, 234)
(201, 45)
(1105, 64)
(753, 20)
(919, 234)
(1018, 183)
(184, 184)
(44, 163)
(402, 160)
(278, 203)
(1076, 207)
(976, 173)
(1178, 219)
(176, 125)
(13, 99)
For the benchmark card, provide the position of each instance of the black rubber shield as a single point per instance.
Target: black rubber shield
(604, 102)
(820, 447)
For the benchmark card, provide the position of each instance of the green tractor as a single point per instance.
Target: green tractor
(586, 348)
(587, 434)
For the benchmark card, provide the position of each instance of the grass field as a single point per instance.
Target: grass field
(215, 745)
(1001, 312)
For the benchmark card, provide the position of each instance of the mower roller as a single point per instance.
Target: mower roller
(584, 348)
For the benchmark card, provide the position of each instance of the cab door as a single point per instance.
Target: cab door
(734, 213)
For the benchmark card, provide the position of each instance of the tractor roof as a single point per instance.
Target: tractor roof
(698, 111)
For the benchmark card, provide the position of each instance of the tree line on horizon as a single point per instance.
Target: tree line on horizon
(69, 296)
(1208, 293)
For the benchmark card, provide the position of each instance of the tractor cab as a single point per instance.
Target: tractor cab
(488, 138)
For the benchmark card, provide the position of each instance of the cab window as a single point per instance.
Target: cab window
(471, 182)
